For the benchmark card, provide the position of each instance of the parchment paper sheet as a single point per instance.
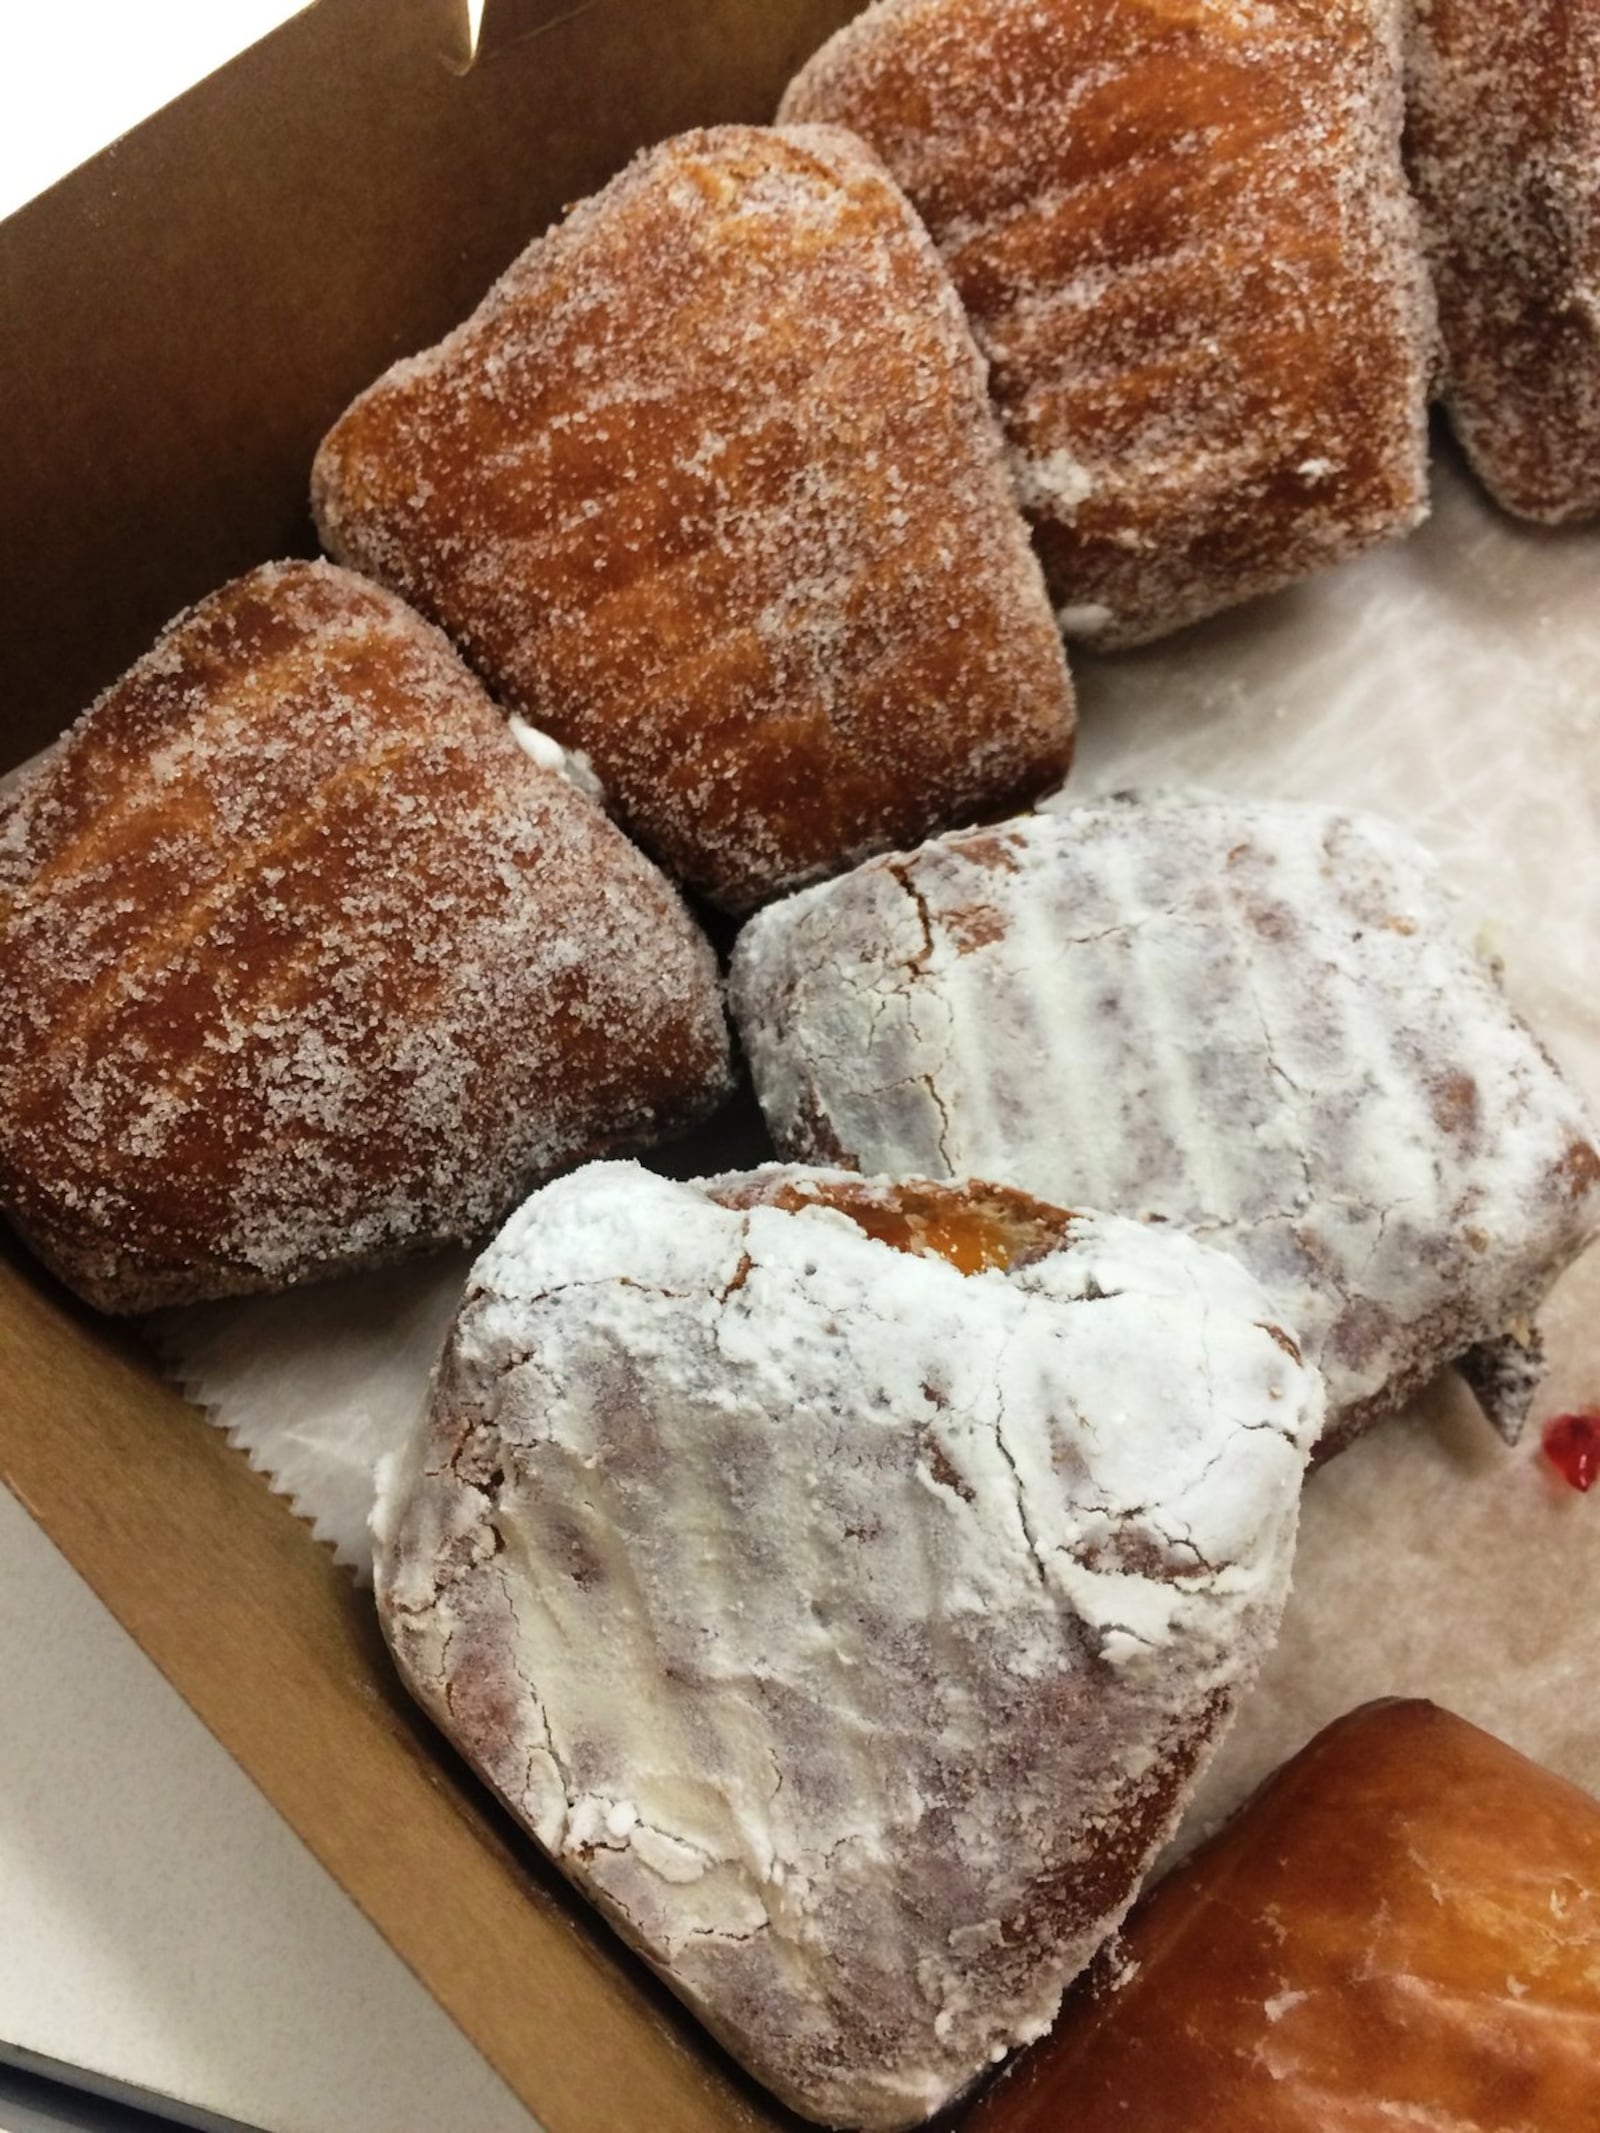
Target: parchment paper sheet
(1452, 682)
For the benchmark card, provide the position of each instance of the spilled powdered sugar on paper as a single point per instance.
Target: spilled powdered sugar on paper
(828, 1614)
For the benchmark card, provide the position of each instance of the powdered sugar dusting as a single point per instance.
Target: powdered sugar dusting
(1253, 1020)
(1504, 147)
(1187, 249)
(846, 1626)
(713, 492)
(305, 964)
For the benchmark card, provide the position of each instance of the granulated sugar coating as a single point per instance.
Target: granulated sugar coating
(1504, 146)
(1255, 1021)
(847, 1626)
(709, 488)
(1182, 234)
(305, 964)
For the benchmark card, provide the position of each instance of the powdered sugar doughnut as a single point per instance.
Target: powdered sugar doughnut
(846, 1624)
(709, 488)
(1182, 234)
(1256, 1021)
(304, 963)
(1504, 147)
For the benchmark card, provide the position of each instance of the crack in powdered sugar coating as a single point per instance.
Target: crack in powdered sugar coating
(1182, 233)
(710, 489)
(1503, 141)
(304, 964)
(848, 1628)
(1253, 1020)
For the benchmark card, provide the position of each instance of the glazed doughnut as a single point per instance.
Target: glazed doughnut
(305, 964)
(708, 487)
(1255, 1021)
(1182, 233)
(1504, 146)
(843, 1582)
(1401, 1929)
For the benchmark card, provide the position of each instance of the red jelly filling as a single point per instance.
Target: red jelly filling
(1572, 1446)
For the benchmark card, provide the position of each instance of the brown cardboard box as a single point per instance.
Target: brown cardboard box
(183, 318)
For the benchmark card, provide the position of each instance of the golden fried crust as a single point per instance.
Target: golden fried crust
(1401, 1929)
(1504, 146)
(304, 964)
(1181, 232)
(709, 489)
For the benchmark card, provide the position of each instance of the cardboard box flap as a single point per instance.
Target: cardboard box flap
(185, 315)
